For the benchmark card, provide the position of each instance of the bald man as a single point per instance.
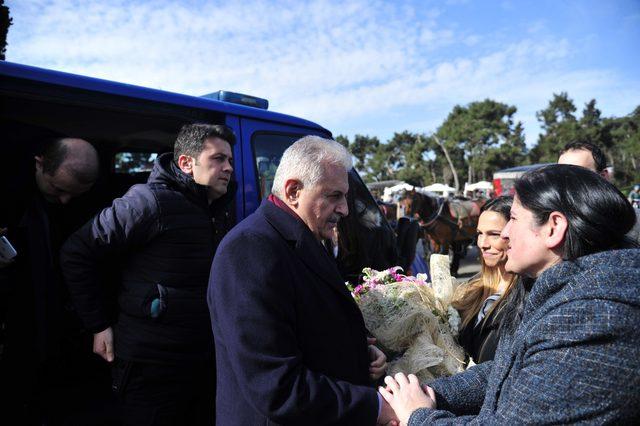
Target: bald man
(39, 333)
(67, 168)
(589, 156)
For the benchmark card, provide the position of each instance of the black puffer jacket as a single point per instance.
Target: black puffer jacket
(163, 234)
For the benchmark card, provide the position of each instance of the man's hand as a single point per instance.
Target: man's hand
(405, 395)
(378, 364)
(103, 344)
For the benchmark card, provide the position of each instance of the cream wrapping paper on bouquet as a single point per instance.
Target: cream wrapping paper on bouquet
(413, 318)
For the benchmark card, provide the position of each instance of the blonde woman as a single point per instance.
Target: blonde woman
(482, 300)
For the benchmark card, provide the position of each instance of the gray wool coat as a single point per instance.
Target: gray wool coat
(575, 357)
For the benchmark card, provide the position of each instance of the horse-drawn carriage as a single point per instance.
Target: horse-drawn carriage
(446, 225)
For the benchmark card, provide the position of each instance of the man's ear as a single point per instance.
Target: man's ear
(185, 163)
(557, 226)
(39, 161)
(292, 188)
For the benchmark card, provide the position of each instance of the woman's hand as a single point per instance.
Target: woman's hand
(405, 395)
(378, 364)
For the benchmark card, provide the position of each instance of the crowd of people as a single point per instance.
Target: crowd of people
(201, 322)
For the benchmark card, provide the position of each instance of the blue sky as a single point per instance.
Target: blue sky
(354, 66)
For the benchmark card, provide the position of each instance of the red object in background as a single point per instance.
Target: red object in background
(503, 180)
(497, 187)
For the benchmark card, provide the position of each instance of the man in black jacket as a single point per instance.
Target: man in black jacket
(40, 336)
(162, 236)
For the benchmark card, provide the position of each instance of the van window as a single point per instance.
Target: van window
(134, 162)
(268, 149)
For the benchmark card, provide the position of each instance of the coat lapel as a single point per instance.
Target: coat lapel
(315, 256)
(306, 247)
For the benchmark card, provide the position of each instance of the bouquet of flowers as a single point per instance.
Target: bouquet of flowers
(413, 318)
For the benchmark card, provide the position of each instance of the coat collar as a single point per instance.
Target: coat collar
(306, 246)
(609, 275)
(166, 172)
(604, 275)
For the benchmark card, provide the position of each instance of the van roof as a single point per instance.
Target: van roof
(516, 172)
(525, 168)
(58, 78)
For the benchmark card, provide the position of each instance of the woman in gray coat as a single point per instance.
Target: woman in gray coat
(573, 352)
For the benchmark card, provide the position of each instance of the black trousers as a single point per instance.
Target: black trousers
(165, 394)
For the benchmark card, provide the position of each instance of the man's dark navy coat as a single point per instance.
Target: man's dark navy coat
(290, 341)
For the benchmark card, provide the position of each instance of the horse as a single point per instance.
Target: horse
(389, 211)
(449, 225)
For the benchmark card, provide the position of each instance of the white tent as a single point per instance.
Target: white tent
(440, 187)
(390, 192)
(482, 185)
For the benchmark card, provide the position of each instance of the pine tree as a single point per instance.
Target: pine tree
(5, 23)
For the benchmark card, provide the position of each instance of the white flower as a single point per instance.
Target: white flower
(454, 319)
(423, 278)
(382, 275)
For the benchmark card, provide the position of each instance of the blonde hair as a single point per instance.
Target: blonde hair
(468, 298)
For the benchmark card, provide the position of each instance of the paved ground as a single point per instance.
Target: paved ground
(470, 265)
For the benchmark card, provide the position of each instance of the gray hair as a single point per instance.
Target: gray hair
(305, 161)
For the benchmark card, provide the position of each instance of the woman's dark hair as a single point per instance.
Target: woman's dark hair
(501, 205)
(597, 213)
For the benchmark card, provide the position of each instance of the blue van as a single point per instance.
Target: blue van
(130, 125)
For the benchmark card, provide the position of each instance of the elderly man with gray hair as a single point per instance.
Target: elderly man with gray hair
(291, 344)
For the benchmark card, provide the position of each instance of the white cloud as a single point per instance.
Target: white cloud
(536, 26)
(381, 63)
